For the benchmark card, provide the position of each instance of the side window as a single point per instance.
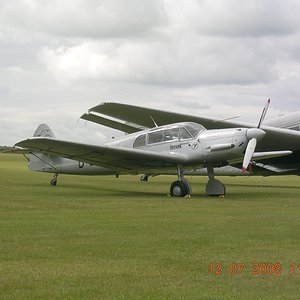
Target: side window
(155, 137)
(163, 135)
(193, 130)
(184, 134)
(140, 141)
(172, 134)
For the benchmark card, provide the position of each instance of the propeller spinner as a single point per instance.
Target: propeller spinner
(254, 135)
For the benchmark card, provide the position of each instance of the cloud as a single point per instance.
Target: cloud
(82, 18)
(133, 18)
(236, 18)
(191, 43)
(220, 58)
(158, 42)
(187, 62)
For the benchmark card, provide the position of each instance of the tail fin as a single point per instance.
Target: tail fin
(44, 131)
(43, 162)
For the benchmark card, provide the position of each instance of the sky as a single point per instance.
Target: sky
(218, 58)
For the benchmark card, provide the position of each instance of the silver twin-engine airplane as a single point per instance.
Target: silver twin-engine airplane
(181, 145)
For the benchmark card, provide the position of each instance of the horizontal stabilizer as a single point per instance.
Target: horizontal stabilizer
(14, 150)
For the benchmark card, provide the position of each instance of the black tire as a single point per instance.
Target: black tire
(188, 185)
(179, 189)
(53, 182)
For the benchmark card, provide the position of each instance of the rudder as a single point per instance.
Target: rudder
(43, 162)
(44, 130)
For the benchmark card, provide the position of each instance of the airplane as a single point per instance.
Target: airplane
(186, 146)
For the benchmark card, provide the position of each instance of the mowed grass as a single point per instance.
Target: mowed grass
(107, 238)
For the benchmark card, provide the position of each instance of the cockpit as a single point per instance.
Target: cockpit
(173, 132)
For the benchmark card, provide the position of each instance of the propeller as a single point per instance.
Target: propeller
(249, 153)
(254, 135)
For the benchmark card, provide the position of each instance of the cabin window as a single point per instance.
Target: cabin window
(194, 128)
(155, 137)
(181, 131)
(163, 135)
(171, 134)
(184, 134)
(140, 141)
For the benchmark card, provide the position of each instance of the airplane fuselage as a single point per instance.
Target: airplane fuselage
(199, 147)
(208, 146)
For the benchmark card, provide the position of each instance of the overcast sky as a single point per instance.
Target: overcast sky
(218, 58)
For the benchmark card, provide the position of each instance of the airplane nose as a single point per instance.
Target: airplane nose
(255, 133)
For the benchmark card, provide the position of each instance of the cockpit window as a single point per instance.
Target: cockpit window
(184, 134)
(171, 134)
(140, 141)
(194, 128)
(181, 131)
(155, 137)
(163, 135)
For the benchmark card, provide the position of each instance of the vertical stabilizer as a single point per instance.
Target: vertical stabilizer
(44, 131)
(43, 162)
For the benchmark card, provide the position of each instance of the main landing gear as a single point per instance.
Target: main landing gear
(53, 181)
(214, 187)
(180, 187)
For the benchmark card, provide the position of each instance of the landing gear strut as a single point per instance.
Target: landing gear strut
(53, 181)
(180, 187)
(214, 187)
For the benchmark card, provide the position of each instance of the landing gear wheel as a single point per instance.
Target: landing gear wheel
(180, 188)
(215, 187)
(144, 178)
(53, 181)
(188, 185)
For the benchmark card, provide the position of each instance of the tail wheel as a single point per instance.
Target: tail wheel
(53, 181)
(180, 188)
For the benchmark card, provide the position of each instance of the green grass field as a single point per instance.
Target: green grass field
(108, 238)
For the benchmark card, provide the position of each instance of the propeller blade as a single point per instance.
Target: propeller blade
(264, 113)
(254, 134)
(249, 153)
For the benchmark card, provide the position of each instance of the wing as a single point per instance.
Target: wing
(115, 124)
(121, 159)
(129, 118)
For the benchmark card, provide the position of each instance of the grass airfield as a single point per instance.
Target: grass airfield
(108, 238)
